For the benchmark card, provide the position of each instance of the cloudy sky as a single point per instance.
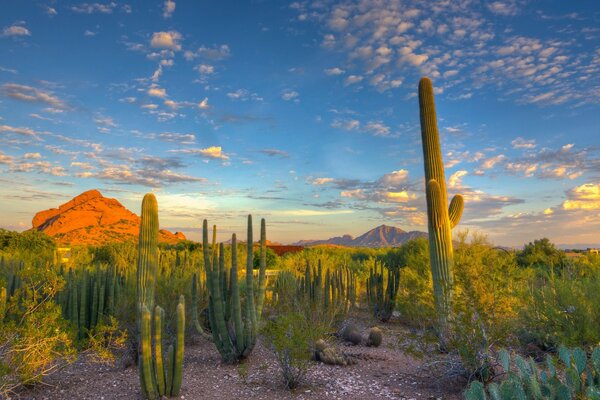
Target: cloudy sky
(305, 113)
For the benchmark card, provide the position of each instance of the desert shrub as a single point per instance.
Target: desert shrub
(487, 298)
(35, 340)
(105, 340)
(562, 310)
(292, 338)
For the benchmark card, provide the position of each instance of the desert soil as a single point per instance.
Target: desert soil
(381, 373)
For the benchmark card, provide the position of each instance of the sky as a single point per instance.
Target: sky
(305, 113)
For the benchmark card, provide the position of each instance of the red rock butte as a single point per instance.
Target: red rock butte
(92, 219)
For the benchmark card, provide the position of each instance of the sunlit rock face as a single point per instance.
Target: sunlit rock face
(91, 218)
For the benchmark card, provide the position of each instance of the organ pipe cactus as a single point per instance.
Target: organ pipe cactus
(234, 332)
(156, 377)
(440, 218)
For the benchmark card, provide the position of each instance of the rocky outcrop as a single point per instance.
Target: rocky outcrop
(93, 219)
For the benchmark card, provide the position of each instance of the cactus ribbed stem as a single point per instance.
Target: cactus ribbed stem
(262, 282)
(440, 218)
(148, 381)
(179, 348)
(148, 251)
(158, 356)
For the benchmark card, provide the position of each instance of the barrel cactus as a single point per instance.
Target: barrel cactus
(441, 217)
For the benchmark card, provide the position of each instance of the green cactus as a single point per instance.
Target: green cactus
(233, 335)
(440, 218)
(3, 300)
(381, 297)
(576, 377)
(154, 380)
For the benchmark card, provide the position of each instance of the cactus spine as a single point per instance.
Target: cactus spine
(233, 335)
(440, 219)
(152, 369)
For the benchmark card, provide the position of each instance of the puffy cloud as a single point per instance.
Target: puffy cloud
(203, 104)
(584, 197)
(334, 71)
(205, 69)
(169, 8)
(352, 79)
(32, 156)
(157, 92)
(214, 152)
(456, 178)
(15, 30)
(288, 95)
(166, 40)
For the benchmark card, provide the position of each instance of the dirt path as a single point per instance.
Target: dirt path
(381, 373)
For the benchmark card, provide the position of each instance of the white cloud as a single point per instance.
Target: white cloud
(288, 95)
(169, 8)
(91, 8)
(15, 30)
(352, 79)
(34, 95)
(205, 69)
(520, 143)
(157, 92)
(334, 71)
(166, 40)
(456, 178)
(203, 104)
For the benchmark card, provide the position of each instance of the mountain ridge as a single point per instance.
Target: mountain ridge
(380, 236)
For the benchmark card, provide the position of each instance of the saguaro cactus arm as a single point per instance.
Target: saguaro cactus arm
(455, 210)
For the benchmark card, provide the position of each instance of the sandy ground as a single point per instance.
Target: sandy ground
(381, 373)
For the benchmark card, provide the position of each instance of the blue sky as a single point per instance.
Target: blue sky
(305, 113)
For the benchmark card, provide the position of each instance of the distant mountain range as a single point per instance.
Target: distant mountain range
(382, 236)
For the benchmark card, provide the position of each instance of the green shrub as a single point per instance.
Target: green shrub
(292, 338)
(35, 340)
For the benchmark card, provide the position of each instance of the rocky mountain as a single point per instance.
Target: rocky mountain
(382, 236)
(91, 218)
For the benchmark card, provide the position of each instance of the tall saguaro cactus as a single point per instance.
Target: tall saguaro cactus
(440, 219)
(234, 332)
(156, 378)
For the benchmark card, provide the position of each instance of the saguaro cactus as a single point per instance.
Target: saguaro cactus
(156, 379)
(440, 219)
(233, 335)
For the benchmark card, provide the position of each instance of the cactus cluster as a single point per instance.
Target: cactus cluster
(157, 378)
(441, 217)
(233, 331)
(89, 296)
(382, 296)
(333, 288)
(575, 376)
